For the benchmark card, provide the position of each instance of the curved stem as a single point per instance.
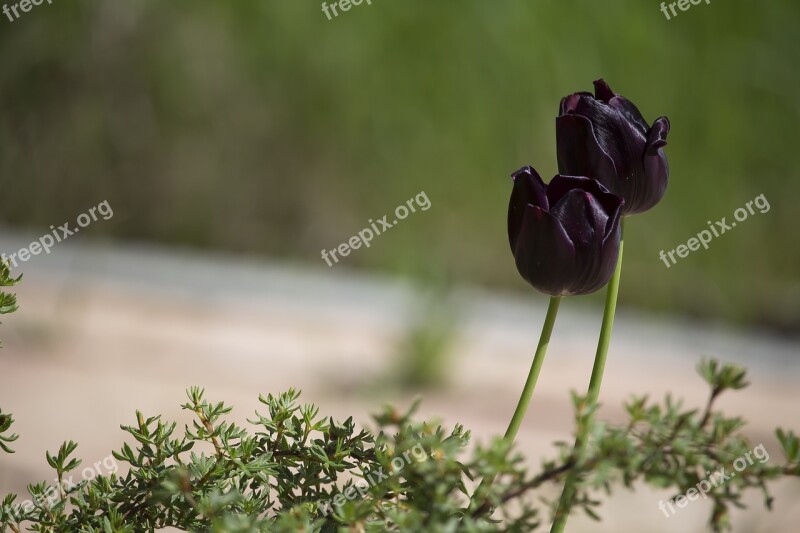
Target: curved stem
(568, 493)
(536, 367)
(479, 504)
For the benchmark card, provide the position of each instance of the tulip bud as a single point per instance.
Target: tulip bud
(605, 137)
(565, 236)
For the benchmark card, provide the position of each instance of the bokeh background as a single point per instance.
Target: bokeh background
(235, 140)
(261, 127)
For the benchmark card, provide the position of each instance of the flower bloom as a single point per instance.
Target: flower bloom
(605, 137)
(565, 236)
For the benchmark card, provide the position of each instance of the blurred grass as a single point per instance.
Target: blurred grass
(261, 127)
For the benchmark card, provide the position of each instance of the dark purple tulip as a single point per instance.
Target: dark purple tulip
(605, 137)
(565, 236)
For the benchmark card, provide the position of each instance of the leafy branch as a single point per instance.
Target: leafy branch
(298, 471)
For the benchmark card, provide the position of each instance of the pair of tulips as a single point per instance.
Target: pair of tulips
(565, 235)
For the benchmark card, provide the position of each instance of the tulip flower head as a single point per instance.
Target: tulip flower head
(565, 236)
(605, 137)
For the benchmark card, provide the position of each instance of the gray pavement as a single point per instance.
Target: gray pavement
(105, 329)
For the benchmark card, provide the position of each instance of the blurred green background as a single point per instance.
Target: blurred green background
(263, 128)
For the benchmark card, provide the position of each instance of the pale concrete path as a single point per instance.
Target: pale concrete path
(106, 330)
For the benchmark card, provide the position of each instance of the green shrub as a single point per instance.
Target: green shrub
(298, 471)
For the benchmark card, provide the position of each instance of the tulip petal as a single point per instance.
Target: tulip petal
(630, 112)
(598, 251)
(620, 103)
(656, 166)
(590, 215)
(598, 266)
(579, 151)
(608, 256)
(584, 221)
(611, 203)
(568, 103)
(544, 255)
(602, 91)
(619, 138)
(529, 189)
(562, 184)
(582, 217)
(657, 136)
(656, 171)
(613, 230)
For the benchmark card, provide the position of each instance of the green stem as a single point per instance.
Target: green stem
(479, 502)
(568, 493)
(536, 367)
